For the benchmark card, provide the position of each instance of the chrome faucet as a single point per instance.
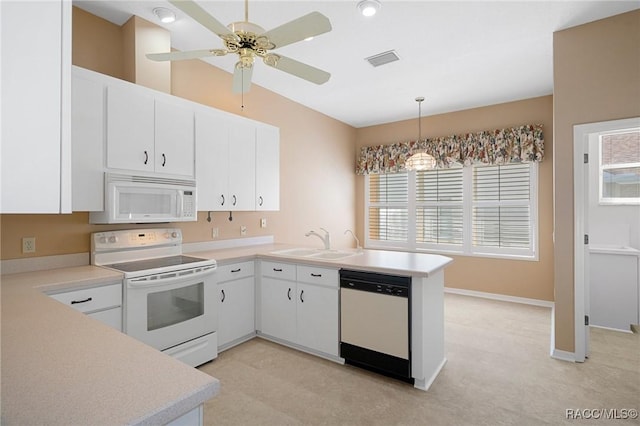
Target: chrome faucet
(326, 239)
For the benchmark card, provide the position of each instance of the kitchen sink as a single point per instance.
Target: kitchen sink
(333, 255)
(297, 252)
(316, 253)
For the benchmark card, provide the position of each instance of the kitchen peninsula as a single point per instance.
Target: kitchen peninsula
(61, 367)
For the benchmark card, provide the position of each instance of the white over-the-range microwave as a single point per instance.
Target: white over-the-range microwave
(146, 199)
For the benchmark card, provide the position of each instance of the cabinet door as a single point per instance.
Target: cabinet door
(87, 142)
(278, 308)
(242, 166)
(268, 168)
(35, 131)
(111, 317)
(317, 318)
(130, 138)
(212, 161)
(237, 307)
(174, 141)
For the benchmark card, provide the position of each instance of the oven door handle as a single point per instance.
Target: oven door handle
(172, 277)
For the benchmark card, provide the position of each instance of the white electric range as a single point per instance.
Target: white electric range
(169, 298)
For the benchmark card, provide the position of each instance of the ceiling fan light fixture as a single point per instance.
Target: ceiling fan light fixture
(165, 15)
(368, 7)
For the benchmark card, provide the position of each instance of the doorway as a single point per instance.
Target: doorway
(583, 135)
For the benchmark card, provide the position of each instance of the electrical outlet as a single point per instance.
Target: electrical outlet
(243, 230)
(263, 222)
(29, 245)
(215, 233)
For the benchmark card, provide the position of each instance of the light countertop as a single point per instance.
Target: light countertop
(382, 261)
(60, 367)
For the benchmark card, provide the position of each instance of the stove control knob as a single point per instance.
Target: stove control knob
(102, 240)
(113, 239)
(174, 234)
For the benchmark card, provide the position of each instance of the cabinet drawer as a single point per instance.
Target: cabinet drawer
(92, 299)
(285, 271)
(235, 271)
(317, 275)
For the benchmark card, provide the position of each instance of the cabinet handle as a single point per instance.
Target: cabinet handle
(224, 296)
(164, 159)
(234, 200)
(236, 270)
(146, 157)
(277, 269)
(289, 293)
(222, 199)
(261, 201)
(88, 299)
(316, 275)
(301, 293)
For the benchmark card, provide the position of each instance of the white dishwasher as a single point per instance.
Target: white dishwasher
(375, 322)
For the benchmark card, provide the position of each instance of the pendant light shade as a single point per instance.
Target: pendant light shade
(420, 160)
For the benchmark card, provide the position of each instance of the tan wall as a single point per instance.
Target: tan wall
(510, 277)
(317, 160)
(596, 78)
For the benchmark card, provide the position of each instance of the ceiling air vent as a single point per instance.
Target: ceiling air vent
(383, 58)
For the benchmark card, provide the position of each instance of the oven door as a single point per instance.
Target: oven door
(167, 309)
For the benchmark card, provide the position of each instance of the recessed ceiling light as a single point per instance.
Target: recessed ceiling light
(164, 15)
(369, 7)
(308, 38)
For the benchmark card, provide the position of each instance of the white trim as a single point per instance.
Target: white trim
(425, 384)
(226, 244)
(619, 330)
(500, 297)
(563, 355)
(581, 135)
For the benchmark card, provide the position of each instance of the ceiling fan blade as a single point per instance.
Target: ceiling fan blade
(191, 54)
(242, 78)
(299, 69)
(204, 18)
(310, 25)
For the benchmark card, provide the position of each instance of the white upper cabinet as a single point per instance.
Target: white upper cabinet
(87, 140)
(242, 166)
(130, 129)
(36, 125)
(148, 132)
(233, 163)
(212, 167)
(174, 139)
(268, 168)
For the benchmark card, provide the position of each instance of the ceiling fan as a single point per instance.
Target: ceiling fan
(249, 41)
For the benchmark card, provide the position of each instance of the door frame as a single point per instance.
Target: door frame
(581, 136)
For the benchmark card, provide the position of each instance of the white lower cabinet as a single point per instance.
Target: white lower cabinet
(103, 302)
(236, 308)
(300, 305)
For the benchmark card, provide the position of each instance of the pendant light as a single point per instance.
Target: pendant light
(420, 160)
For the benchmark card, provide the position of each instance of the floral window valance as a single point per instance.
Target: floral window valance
(514, 145)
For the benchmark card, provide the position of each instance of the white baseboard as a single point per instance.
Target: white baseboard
(501, 297)
(426, 383)
(563, 355)
(619, 330)
(226, 244)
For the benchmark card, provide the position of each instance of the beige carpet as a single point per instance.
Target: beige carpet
(498, 373)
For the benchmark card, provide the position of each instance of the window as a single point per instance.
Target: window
(620, 168)
(479, 210)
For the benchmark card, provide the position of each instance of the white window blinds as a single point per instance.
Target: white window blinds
(501, 206)
(478, 210)
(388, 207)
(439, 208)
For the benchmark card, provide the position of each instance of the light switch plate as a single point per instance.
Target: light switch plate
(263, 222)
